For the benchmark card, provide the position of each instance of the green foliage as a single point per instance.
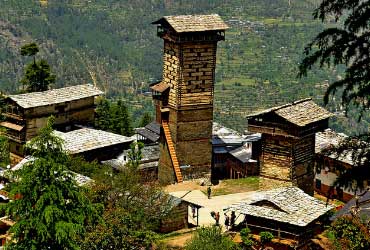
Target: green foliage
(30, 49)
(266, 237)
(145, 119)
(38, 76)
(113, 117)
(345, 44)
(133, 211)
(51, 211)
(135, 154)
(4, 151)
(350, 234)
(246, 237)
(210, 238)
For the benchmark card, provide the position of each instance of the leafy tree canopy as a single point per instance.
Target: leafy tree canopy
(30, 49)
(52, 211)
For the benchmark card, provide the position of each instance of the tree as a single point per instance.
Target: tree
(145, 119)
(133, 211)
(4, 151)
(210, 238)
(52, 211)
(348, 44)
(247, 239)
(113, 117)
(135, 154)
(350, 234)
(265, 237)
(38, 76)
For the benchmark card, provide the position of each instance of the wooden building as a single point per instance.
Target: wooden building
(327, 165)
(184, 97)
(287, 212)
(26, 113)
(288, 143)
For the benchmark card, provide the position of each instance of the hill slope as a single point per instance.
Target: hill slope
(111, 43)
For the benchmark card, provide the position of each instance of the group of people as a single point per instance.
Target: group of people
(229, 220)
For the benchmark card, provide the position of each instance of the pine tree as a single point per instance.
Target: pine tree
(52, 211)
(38, 76)
(346, 44)
(145, 119)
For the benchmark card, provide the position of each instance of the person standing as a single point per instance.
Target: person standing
(217, 218)
(232, 219)
(227, 221)
(209, 192)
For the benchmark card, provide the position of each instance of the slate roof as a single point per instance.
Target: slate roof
(54, 96)
(86, 139)
(364, 204)
(300, 113)
(243, 154)
(295, 206)
(194, 23)
(328, 138)
(150, 131)
(160, 87)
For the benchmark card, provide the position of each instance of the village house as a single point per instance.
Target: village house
(286, 212)
(26, 114)
(288, 143)
(327, 164)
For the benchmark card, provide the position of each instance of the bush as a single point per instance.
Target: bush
(210, 238)
(266, 237)
(246, 237)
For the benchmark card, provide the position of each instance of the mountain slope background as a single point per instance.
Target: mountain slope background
(112, 44)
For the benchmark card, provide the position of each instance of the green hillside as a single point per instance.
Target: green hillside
(112, 43)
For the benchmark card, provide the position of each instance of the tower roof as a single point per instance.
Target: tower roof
(194, 23)
(300, 113)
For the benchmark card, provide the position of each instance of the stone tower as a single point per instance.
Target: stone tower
(288, 143)
(184, 97)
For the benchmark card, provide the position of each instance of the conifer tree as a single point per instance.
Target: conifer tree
(52, 211)
(348, 44)
(38, 76)
(145, 119)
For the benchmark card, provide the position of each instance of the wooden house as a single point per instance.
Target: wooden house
(26, 113)
(288, 143)
(327, 165)
(184, 97)
(286, 212)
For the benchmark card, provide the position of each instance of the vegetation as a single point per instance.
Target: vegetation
(349, 234)
(113, 117)
(132, 214)
(37, 75)
(135, 155)
(247, 240)
(51, 211)
(210, 238)
(265, 238)
(346, 44)
(111, 43)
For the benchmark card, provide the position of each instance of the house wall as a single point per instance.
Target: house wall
(288, 159)
(176, 220)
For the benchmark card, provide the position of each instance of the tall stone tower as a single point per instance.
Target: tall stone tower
(288, 143)
(184, 97)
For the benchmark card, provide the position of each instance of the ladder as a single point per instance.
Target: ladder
(171, 148)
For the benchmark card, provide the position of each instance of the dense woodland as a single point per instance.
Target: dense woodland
(111, 43)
